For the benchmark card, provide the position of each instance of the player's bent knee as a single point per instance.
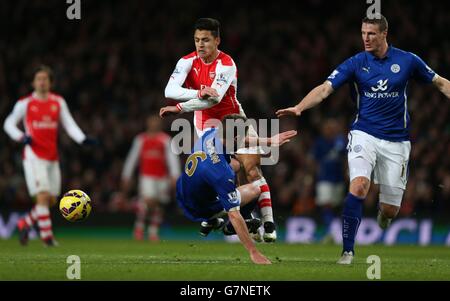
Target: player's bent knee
(248, 192)
(235, 165)
(44, 198)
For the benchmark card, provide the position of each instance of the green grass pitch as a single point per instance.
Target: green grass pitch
(121, 259)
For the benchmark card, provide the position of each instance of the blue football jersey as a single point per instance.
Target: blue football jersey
(207, 184)
(379, 88)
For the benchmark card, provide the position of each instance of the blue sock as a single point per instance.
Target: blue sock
(351, 217)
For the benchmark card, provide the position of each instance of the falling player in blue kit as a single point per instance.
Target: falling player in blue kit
(206, 190)
(379, 136)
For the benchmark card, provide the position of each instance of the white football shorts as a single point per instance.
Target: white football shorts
(388, 160)
(41, 175)
(154, 188)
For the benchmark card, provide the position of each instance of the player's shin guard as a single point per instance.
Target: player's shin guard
(264, 200)
(44, 222)
(351, 218)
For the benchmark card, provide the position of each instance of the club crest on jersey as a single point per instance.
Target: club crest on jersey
(53, 108)
(212, 74)
(395, 68)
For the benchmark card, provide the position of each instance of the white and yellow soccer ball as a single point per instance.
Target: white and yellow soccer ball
(75, 205)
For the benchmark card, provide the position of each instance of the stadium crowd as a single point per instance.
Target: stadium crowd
(113, 64)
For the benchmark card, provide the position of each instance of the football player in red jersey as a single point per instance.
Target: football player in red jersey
(205, 81)
(159, 168)
(41, 113)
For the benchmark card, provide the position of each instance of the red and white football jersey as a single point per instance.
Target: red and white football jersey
(192, 74)
(41, 118)
(154, 155)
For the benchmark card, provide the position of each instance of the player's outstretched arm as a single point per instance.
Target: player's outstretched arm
(443, 85)
(241, 229)
(316, 96)
(276, 140)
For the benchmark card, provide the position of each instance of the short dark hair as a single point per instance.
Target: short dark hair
(46, 69)
(208, 24)
(378, 19)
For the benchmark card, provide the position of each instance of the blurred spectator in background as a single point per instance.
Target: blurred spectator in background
(329, 151)
(159, 168)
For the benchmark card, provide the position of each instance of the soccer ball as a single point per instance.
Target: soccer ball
(75, 205)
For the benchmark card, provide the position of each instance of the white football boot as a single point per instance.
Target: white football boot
(346, 258)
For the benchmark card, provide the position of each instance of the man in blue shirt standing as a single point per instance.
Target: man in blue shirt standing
(379, 136)
(329, 153)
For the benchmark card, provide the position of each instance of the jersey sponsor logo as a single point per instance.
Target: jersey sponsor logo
(395, 68)
(381, 94)
(333, 74)
(44, 124)
(382, 85)
(378, 91)
(212, 74)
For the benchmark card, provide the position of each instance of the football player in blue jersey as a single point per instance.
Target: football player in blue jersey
(379, 135)
(206, 190)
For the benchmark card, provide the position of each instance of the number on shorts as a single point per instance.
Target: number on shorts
(192, 161)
